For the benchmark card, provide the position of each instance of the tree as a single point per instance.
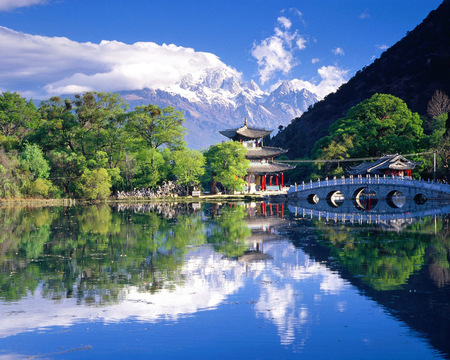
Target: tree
(66, 167)
(380, 125)
(188, 166)
(226, 164)
(157, 127)
(438, 104)
(438, 108)
(18, 118)
(33, 161)
(10, 176)
(94, 184)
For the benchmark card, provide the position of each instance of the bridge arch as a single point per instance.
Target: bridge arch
(395, 199)
(365, 198)
(335, 198)
(313, 199)
(420, 199)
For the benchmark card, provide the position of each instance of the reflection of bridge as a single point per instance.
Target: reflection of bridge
(348, 213)
(394, 190)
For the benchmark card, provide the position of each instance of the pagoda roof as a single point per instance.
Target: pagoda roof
(268, 168)
(264, 152)
(245, 132)
(392, 162)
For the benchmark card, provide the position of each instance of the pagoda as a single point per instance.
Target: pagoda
(264, 174)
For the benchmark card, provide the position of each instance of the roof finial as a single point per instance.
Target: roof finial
(245, 121)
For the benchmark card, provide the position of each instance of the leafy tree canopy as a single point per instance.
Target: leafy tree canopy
(380, 125)
(157, 127)
(18, 118)
(226, 164)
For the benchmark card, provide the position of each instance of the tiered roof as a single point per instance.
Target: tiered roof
(268, 168)
(391, 162)
(264, 152)
(245, 133)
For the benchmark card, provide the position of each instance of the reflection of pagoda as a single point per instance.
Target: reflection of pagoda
(262, 219)
(264, 174)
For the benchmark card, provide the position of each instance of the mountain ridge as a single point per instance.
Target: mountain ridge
(412, 69)
(216, 99)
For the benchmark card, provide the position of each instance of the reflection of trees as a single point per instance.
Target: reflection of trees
(439, 258)
(229, 231)
(23, 233)
(386, 260)
(383, 260)
(92, 253)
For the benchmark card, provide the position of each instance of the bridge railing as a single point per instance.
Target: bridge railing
(367, 180)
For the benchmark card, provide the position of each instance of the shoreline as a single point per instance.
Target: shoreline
(81, 202)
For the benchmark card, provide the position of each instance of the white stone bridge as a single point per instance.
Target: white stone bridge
(368, 192)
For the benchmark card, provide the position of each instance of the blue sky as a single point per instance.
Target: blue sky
(51, 46)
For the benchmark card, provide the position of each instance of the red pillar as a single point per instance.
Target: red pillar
(277, 179)
(270, 180)
(282, 180)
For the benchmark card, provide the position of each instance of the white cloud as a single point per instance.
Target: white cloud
(331, 77)
(54, 65)
(276, 53)
(285, 22)
(338, 51)
(364, 15)
(382, 47)
(6, 5)
(315, 60)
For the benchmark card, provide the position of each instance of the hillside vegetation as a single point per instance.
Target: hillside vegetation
(412, 70)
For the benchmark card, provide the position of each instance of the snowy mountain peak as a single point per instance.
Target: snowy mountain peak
(217, 98)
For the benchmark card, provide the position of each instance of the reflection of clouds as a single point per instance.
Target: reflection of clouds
(291, 285)
(210, 279)
(278, 305)
(282, 292)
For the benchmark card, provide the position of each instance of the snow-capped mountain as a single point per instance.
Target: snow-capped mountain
(217, 99)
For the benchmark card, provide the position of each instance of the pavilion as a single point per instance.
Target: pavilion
(264, 174)
(390, 165)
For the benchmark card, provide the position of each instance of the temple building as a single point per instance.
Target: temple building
(389, 165)
(264, 174)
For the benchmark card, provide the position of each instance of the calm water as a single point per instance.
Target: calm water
(221, 281)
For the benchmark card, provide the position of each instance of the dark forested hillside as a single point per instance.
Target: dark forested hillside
(412, 69)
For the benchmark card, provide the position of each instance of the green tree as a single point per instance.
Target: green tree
(157, 127)
(18, 118)
(226, 164)
(33, 161)
(188, 166)
(439, 129)
(66, 167)
(97, 114)
(94, 184)
(380, 125)
(11, 178)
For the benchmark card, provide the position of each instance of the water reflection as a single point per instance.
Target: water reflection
(163, 262)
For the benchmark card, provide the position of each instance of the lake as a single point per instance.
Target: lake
(221, 281)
